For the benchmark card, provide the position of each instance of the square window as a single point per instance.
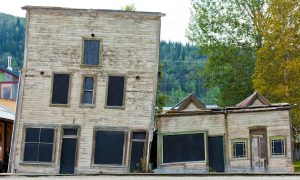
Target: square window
(109, 147)
(38, 145)
(239, 149)
(115, 92)
(88, 91)
(278, 147)
(91, 52)
(60, 89)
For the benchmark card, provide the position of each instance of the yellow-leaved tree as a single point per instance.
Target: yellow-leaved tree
(277, 68)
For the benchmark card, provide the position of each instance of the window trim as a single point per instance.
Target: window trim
(82, 65)
(245, 140)
(160, 147)
(53, 162)
(271, 149)
(94, 92)
(69, 90)
(125, 146)
(124, 92)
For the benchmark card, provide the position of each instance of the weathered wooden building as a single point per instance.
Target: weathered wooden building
(254, 136)
(87, 94)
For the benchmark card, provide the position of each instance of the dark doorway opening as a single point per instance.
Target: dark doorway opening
(216, 154)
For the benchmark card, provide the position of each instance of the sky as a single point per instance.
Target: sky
(173, 26)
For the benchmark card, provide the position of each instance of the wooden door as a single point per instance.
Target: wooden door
(258, 150)
(216, 154)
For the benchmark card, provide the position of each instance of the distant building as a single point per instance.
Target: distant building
(88, 90)
(8, 82)
(253, 137)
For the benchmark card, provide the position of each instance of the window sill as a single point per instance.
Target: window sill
(38, 163)
(238, 159)
(121, 166)
(184, 163)
(87, 106)
(60, 105)
(278, 156)
(115, 107)
(89, 66)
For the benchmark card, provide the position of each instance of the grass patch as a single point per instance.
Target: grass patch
(297, 166)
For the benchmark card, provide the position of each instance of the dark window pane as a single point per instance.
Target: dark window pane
(137, 152)
(109, 147)
(239, 149)
(87, 97)
(88, 83)
(278, 147)
(70, 131)
(45, 152)
(115, 91)
(31, 152)
(139, 135)
(60, 89)
(32, 135)
(183, 147)
(91, 52)
(47, 135)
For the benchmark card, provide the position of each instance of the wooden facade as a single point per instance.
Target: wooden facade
(88, 90)
(252, 137)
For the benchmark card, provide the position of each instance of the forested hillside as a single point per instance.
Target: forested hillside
(12, 32)
(179, 63)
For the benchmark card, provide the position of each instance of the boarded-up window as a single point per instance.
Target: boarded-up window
(109, 147)
(60, 89)
(239, 149)
(91, 52)
(278, 147)
(183, 147)
(115, 93)
(88, 91)
(38, 145)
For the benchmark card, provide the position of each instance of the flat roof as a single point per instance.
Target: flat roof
(140, 13)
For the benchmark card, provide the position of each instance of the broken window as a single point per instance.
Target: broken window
(88, 91)
(138, 143)
(183, 147)
(239, 149)
(60, 89)
(91, 52)
(109, 147)
(39, 145)
(115, 92)
(278, 147)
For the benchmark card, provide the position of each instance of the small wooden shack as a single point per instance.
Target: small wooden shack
(252, 137)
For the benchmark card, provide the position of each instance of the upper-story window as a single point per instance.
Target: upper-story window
(60, 89)
(91, 52)
(88, 91)
(115, 91)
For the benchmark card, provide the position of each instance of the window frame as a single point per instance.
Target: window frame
(271, 146)
(82, 65)
(124, 92)
(69, 90)
(53, 162)
(239, 140)
(160, 147)
(83, 90)
(125, 146)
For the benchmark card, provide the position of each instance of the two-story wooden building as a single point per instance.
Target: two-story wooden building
(88, 90)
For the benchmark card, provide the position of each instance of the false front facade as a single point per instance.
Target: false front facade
(87, 93)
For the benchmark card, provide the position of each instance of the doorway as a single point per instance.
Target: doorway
(68, 151)
(259, 155)
(216, 154)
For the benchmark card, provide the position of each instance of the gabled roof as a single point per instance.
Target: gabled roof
(9, 72)
(249, 101)
(189, 100)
